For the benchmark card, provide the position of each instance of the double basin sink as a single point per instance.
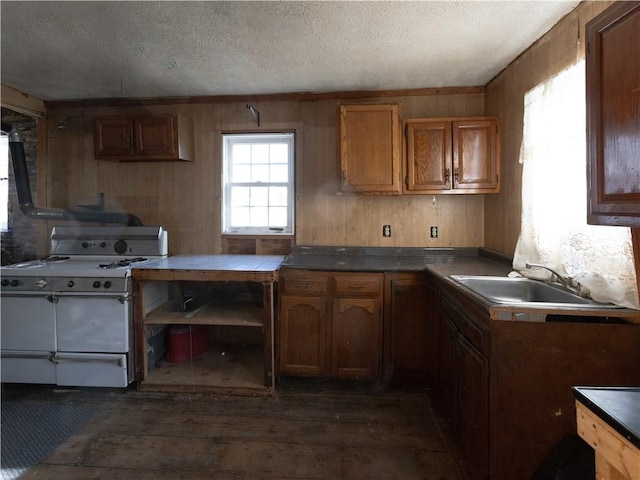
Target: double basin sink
(526, 292)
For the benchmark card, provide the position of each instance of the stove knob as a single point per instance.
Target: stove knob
(103, 244)
(120, 247)
(96, 284)
(15, 283)
(107, 284)
(4, 283)
(71, 284)
(85, 244)
(41, 283)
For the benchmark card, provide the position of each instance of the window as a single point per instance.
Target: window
(4, 183)
(554, 229)
(258, 190)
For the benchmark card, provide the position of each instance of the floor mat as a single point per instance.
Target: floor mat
(31, 430)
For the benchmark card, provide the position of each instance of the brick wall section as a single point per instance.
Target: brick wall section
(19, 242)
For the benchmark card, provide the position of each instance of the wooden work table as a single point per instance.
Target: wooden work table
(608, 419)
(223, 367)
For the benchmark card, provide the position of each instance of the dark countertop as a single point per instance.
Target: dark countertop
(384, 259)
(442, 262)
(619, 407)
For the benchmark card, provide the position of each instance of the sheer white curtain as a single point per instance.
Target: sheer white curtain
(554, 230)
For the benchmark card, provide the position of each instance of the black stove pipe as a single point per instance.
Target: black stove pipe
(25, 200)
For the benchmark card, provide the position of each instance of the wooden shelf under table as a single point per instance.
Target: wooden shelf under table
(236, 314)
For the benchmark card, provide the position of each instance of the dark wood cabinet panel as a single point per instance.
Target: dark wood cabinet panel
(303, 330)
(452, 155)
(472, 409)
(475, 155)
(143, 138)
(113, 137)
(156, 136)
(356, 337)
(504, 387)
(330, 324)
(613, 115)
(370, 148)
(409, 313)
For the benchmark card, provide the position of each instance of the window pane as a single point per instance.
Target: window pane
(240, 196)
(239, 216)
(241, 153)
(260, 173)
(259, 217)
(241, 174)
(259, 196)
(279, 173)
(260, 153)
(278, 216)
(279, 153)
(278, 196)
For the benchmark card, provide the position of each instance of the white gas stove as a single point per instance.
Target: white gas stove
(68, 319)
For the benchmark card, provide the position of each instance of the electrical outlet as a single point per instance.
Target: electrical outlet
(434, 232)
(386, 230)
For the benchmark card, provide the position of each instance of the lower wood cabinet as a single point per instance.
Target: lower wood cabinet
(410, 320)
(303, 335)
(504, 387)
(330, 324)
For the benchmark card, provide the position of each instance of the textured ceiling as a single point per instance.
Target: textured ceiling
(82, 50)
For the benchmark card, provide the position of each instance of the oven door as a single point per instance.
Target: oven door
(28, 338)
(100, 323)
(92, 369)
(28, 322)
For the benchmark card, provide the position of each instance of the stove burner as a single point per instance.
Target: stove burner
(122, 263)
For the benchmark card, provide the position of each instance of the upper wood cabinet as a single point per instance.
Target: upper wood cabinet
(452, 155)
(370, 149)
(143, 138)
(613, 116)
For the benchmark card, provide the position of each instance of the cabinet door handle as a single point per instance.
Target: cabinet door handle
(355, 287)
(127, 142)
(447, 175)
(303, 285)
(455, 176)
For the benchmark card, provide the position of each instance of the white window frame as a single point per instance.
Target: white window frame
(231, 139)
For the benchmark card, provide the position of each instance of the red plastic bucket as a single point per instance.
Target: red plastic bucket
(186, 342)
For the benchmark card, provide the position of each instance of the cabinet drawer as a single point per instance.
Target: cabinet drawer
(356, 285)
(469, 326)
(303, 283)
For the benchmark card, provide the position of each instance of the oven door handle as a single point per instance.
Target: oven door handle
(121, 298)
(35, 356)
(56, 359)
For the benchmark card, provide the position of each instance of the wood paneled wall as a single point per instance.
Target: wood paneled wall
(184, 197)
(504, 97)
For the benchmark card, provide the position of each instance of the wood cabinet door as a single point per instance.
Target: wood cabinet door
(370, 148)
(409, 312)
(355, 337)
(475, 156)
(613, 116)
(156, 136)
(428, 162)
(446, 391)
(472, 409)
(303, 335)
(113, 136)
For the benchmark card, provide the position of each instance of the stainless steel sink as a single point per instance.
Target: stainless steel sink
(520, 290)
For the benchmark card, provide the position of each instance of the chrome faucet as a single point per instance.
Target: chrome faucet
(563, 281)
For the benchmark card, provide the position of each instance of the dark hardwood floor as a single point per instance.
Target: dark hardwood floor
(306, 431)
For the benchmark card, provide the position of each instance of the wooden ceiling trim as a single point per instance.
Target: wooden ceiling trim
(342, 95)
